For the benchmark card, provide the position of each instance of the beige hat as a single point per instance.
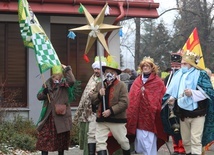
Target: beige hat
(191, 58)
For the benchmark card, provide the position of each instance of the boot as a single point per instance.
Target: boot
(102, 152)
(91, 148)
(44, 152)
(126, 152)
(61, 152)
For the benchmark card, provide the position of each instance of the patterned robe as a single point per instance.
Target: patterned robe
(84, 112)
(84, 109)
(145, 106)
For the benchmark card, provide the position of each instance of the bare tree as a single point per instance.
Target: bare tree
(153, 39)
(197, 13)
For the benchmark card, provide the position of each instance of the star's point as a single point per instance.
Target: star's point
(95, 29)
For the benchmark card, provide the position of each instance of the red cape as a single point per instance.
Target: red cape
(144, 111)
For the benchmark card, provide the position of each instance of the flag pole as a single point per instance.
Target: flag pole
(43, 80)
(101, 74)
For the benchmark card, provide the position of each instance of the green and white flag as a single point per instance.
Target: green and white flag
(45, 53)
(35, 37)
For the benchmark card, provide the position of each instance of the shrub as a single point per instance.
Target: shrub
(21, 134)
(23, 142)
(18, 134)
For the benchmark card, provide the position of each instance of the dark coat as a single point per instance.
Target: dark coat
(58, 94)
(116, 100)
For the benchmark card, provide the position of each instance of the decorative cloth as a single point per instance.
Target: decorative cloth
(180, 81)
(145, 106)
(85, 108)
(208, 132)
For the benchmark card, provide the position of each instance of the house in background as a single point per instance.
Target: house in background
(20, 78)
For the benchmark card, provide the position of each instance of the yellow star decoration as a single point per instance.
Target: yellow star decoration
(95, 29)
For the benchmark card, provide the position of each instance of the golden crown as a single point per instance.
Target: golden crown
(148, 59)
(191, 56)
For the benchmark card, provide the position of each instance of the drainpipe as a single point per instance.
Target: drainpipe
(122, 14)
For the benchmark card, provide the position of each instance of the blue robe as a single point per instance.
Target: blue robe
(208, 133)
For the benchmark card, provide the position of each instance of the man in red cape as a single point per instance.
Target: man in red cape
(144, 123)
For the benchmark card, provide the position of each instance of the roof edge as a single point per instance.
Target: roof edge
(133, 9)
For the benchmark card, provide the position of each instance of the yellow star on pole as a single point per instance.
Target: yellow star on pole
(95, 28)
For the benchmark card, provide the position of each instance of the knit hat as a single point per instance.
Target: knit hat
(192, 59)
(96, 63)
(111, 64)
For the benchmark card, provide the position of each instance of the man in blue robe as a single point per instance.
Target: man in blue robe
(191, 93)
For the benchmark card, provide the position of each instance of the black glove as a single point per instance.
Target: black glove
(67, 68)
(46, 91)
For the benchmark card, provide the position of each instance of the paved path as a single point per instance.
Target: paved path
(162, 151)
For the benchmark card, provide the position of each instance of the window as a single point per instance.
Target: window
(13, 85)
(13, 61)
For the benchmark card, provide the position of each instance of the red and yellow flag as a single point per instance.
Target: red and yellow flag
(193, 44)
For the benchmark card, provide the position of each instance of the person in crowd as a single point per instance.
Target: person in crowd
(55, 121)
(143, 113)
(86, 112)
(132, 78)
(125, 75)
(165, 113)
(191, 93)
(165, 73)
(112, 101)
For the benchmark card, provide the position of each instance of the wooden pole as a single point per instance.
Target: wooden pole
(43, 80)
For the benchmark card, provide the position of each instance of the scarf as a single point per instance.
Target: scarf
(181, 81)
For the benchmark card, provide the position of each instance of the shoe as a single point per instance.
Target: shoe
(44, 152)
(102, 152)
(126, 152)
(61, 152)
(91, 148)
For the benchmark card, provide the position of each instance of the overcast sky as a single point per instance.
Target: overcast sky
(165, 5)
(168, 19)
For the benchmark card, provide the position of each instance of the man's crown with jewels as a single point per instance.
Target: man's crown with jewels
(191, 58)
